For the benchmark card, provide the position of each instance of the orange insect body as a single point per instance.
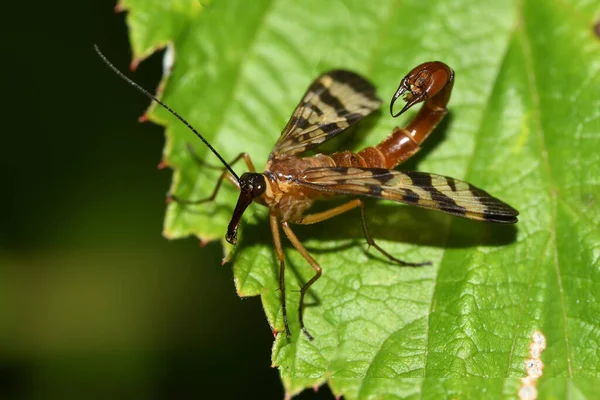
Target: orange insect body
(290, 201)
(290, 184)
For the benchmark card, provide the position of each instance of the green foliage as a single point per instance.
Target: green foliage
(524, 125)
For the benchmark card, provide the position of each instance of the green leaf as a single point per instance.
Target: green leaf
(524, 125)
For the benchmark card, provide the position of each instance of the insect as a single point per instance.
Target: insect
(290, 184)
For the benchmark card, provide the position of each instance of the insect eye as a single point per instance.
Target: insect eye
(253, 183)
(258, 186)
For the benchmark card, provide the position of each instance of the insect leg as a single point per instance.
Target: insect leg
(322, 216)
(279, 251)
(298, 245)
(204, 164)
(224, 175)
(198, 160)
(371, 241)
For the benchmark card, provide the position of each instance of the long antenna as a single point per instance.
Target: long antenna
(166, 107)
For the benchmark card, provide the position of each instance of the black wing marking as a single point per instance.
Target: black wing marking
(421, 189)
(332, 103)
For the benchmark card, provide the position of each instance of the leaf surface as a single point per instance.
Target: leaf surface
(524, 125)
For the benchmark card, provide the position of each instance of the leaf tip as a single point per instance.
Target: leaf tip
(119, 8)
(163, 164)
(238, 290)
(134, 64)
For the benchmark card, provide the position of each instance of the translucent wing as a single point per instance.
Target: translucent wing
(332, 103)
(421, 189)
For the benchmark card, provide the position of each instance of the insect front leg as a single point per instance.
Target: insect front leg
(198, 160)
(204, 164)
(316, 267)
(225, 174)
(280, 256)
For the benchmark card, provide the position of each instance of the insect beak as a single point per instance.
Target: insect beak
(243, 202)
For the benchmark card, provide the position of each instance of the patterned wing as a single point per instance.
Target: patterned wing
(334, 101)
(425, 190)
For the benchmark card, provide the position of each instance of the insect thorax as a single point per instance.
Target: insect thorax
(284, 196)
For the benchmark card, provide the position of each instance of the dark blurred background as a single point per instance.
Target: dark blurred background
(94, 302)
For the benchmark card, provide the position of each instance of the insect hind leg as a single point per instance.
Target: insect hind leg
(372, 243)
(322, 216)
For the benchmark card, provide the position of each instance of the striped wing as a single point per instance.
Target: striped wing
(332, 103)
(425, 190)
